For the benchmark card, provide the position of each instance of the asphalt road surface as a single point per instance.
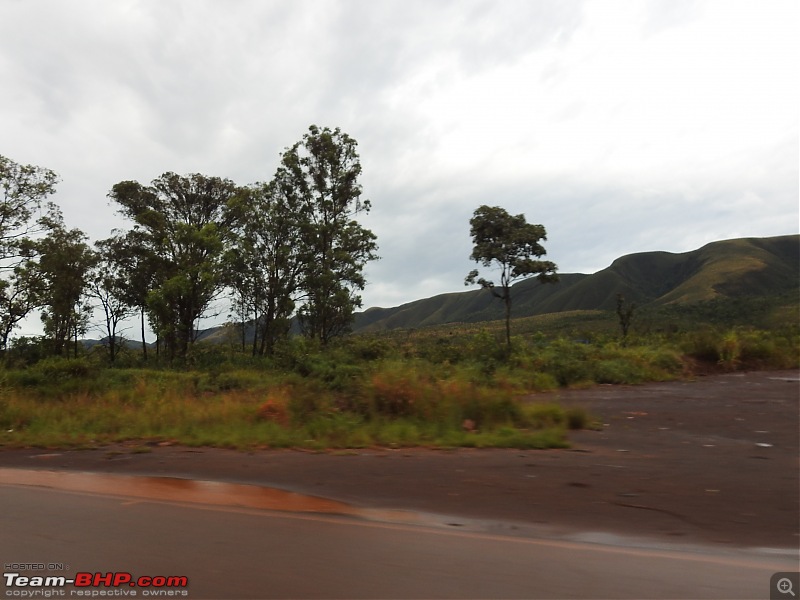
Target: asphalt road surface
(238, 552)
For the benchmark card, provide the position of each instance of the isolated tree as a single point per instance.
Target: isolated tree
(182, 222)
(266, 261)
(321, 176)
(64, 262)
(513, 245)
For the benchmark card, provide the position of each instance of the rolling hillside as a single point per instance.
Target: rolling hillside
(725, 269)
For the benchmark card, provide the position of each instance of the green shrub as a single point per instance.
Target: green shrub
(57, 368)
(569, 371)
(665, 359)
(577, 418)
(367, 348)
(729, 350)
(769, 348)
(543, 416)
(487, 409)
(702, 344)
(235, 379)
(616, 371)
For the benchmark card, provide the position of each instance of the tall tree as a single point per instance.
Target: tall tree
(111, 283)
(183, 223)
(267, 260)
(64, 261)
(20, 293)
(24, 189)
(132, 261)
(24, 214)
(513, 245)
(321, 173)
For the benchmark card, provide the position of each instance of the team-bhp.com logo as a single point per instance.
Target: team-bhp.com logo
(95, 585)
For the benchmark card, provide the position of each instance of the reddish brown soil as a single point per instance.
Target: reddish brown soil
(713, 460)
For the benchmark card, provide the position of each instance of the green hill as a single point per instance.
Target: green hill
(729, 269)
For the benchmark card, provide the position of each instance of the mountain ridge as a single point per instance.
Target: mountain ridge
(725, 268)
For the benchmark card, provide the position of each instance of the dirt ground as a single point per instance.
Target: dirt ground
(715, 460)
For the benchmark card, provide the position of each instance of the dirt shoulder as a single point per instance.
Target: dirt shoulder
(714, 460)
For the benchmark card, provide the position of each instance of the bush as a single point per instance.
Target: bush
(487, 409)
(569, 371)
(666, 360)
(743, 347)
(367, 348)
(57, 368)
(617, 371)
(702, 344)
(577, 418)
(543, 416)
(538, 381)
(772, 349)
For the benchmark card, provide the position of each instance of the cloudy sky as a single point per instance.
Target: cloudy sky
(621, 126)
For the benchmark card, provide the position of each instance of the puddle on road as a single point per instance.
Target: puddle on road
(215, 493)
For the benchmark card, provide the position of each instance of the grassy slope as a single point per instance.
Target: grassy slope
(744, 267)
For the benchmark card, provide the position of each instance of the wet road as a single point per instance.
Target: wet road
(249, 548)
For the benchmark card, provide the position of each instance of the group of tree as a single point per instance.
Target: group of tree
(43, 265)
(291, 247)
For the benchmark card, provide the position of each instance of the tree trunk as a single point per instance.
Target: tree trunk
(112, 346)
(144, 343)
(507, 299)
(255, 332)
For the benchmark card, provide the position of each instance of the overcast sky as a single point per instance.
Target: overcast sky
(621, 126)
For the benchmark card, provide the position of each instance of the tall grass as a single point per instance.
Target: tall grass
(396, 404)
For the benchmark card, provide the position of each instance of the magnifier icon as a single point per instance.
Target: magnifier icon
(784, 586)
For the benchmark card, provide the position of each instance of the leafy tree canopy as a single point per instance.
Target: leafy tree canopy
(322, 172)
(181, 226)
(24, 189)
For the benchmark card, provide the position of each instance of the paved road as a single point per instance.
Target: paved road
(235, 552)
